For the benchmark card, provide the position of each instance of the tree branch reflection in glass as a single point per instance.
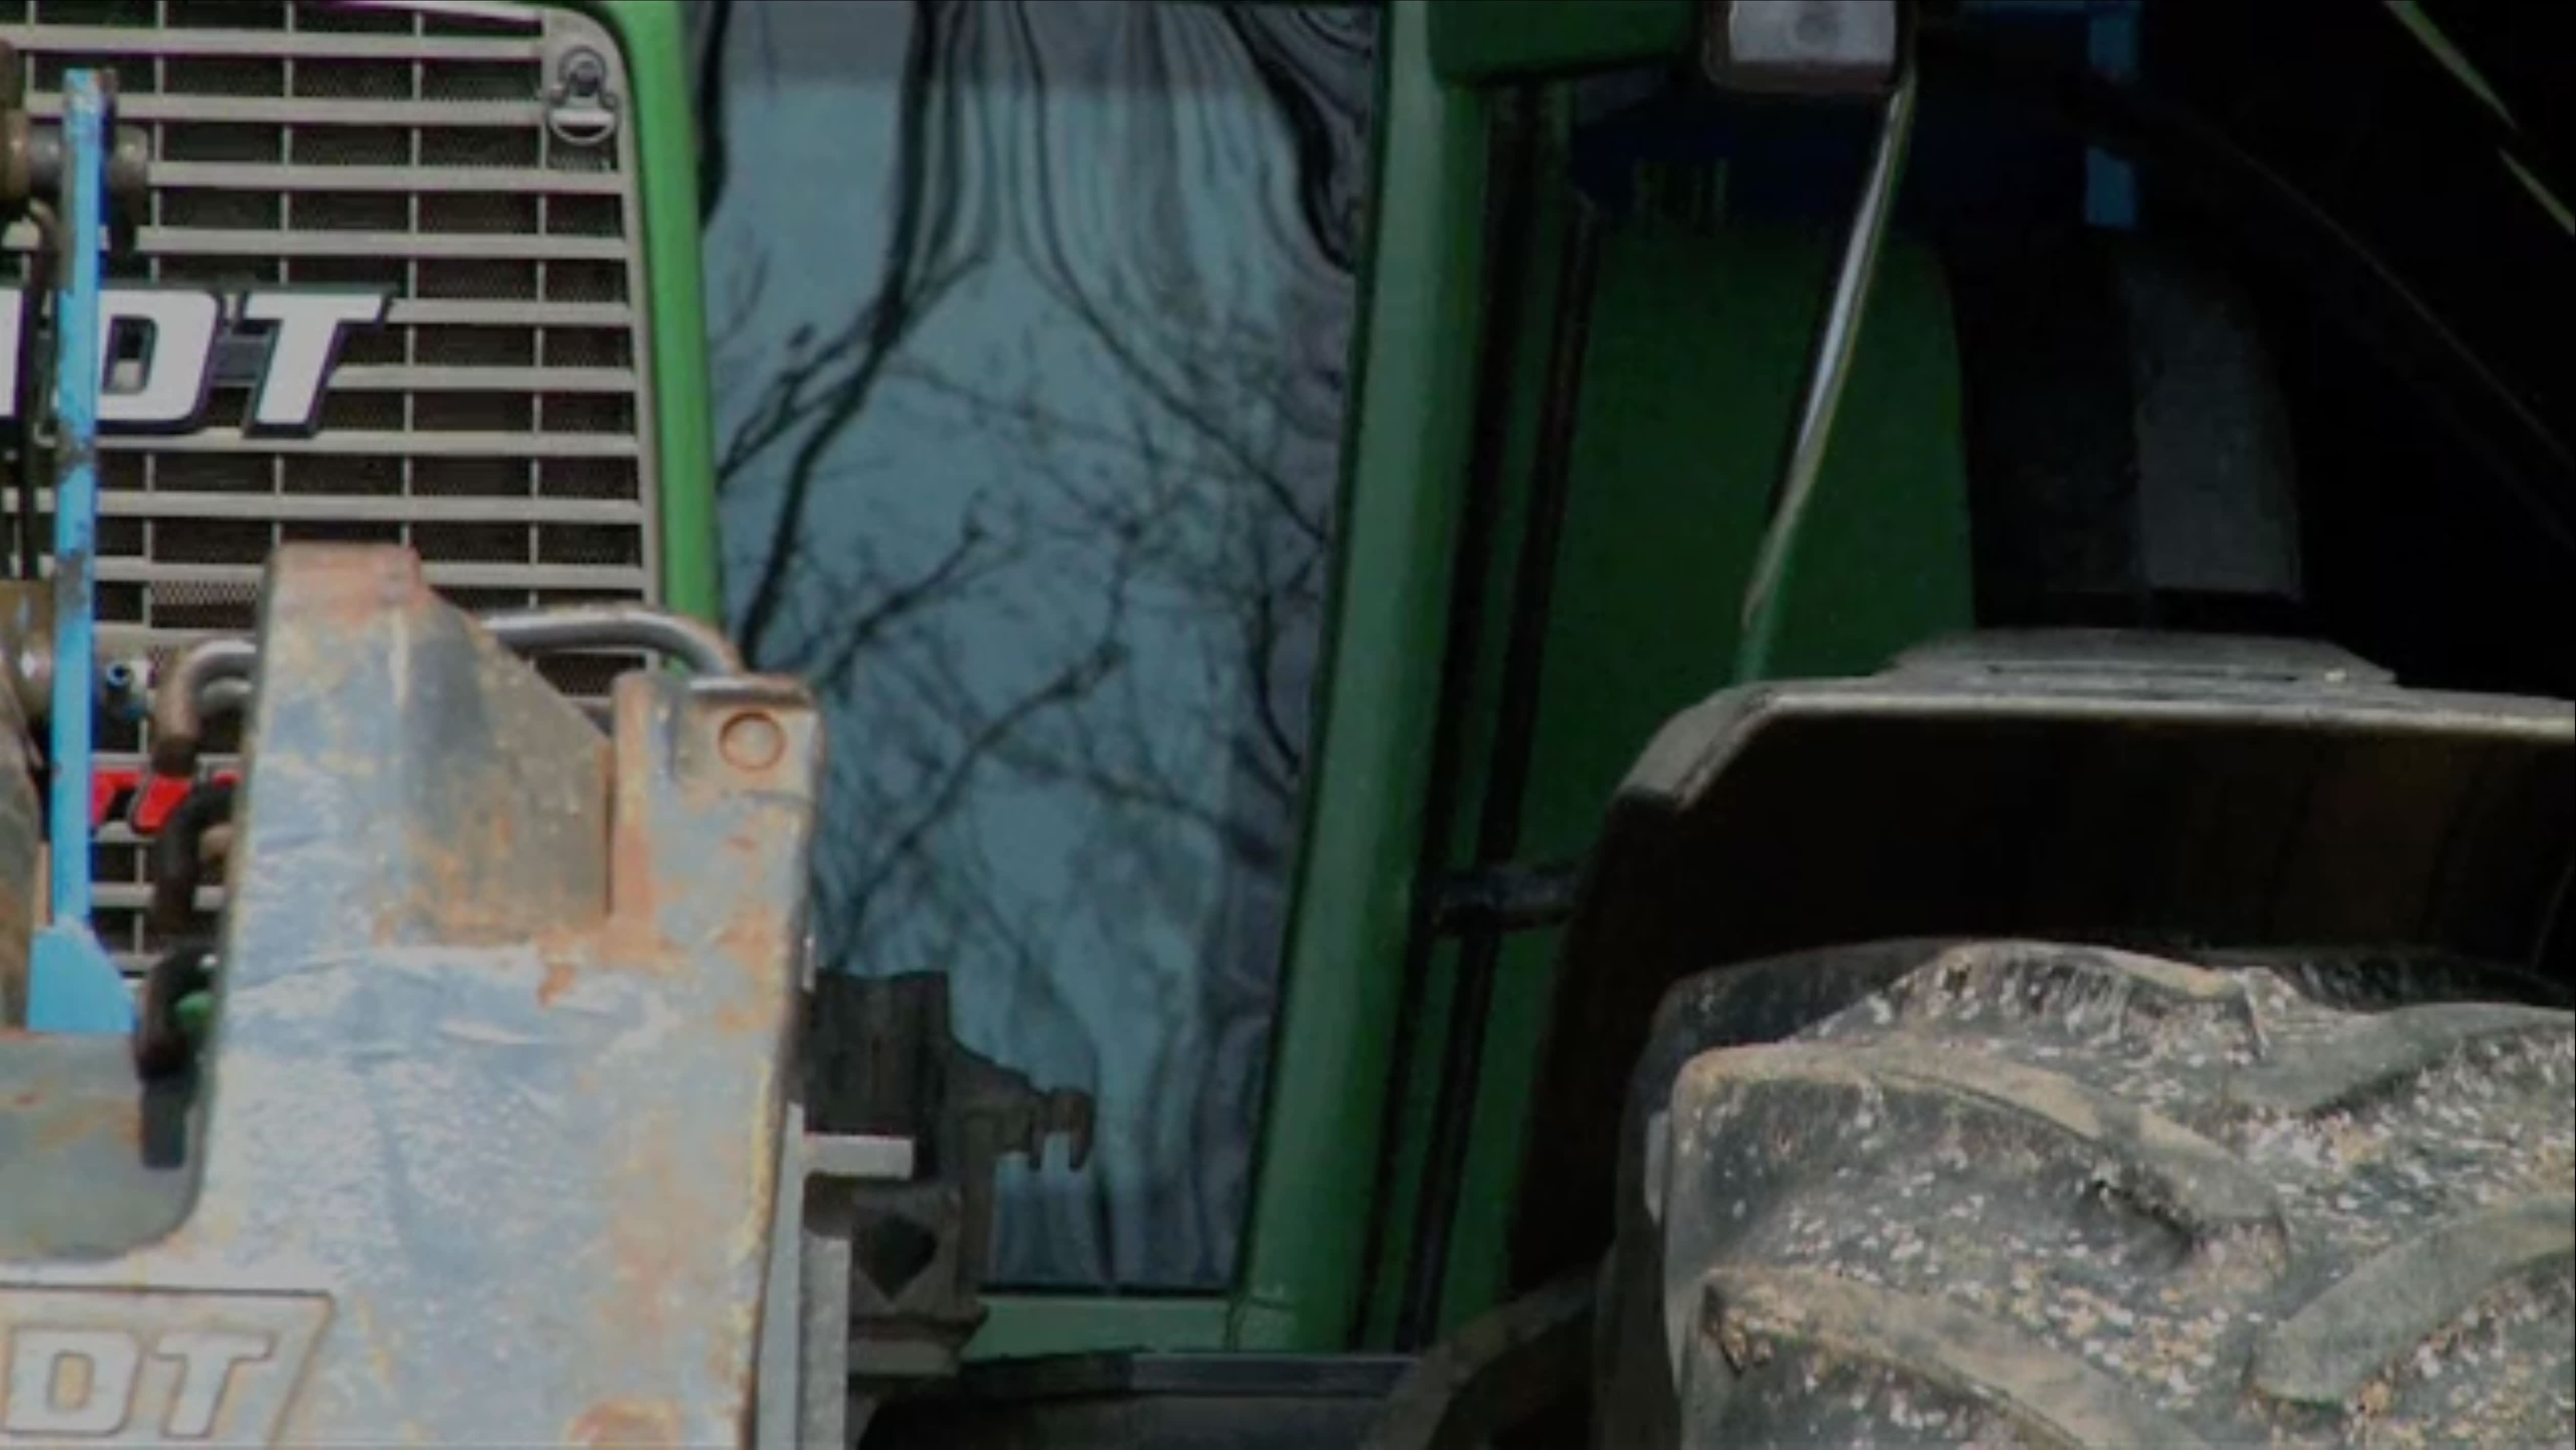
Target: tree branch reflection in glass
(1031, 325)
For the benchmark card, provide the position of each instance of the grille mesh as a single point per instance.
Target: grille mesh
(500, 425)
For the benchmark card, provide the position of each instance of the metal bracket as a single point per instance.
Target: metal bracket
(215, 675)
(1510, 897)
(884, 1062)
(805, 1320)
(583, 105)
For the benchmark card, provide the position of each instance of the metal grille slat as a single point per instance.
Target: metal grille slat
(263, 176)
(306, 111)
(165, 241)
(443, 574)
(268, 44)
(135, 896)
(363, 508)
(484, 379)
(348, 442)
(472, 313)
(501, 422)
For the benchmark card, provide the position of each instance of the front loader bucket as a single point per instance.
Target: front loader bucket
(486, 1143)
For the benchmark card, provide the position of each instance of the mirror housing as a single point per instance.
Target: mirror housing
(1804, 47)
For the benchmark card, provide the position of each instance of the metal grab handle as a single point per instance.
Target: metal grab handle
(1828, 370)
(214, 675)
(178, 700)
(617, 626)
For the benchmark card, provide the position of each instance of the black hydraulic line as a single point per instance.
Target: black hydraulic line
(1514, 896)
(1514, 172)
(161, 1046)
(178, 855)
(1498, 825)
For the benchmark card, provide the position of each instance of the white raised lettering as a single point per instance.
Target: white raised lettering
(150, 1366)
(309, 328)
(165, 389)
(172, 390)
(207, 1359)
(70, 1381)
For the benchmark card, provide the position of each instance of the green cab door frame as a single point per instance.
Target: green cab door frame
(1674, 449)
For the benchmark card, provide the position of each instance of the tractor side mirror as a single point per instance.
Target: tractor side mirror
(1803, 47)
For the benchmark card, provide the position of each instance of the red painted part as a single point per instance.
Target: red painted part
(114, 792)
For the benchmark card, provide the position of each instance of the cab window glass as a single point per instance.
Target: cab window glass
(1030, 327)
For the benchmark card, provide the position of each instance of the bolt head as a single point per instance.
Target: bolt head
(583, 70)
(752, 740)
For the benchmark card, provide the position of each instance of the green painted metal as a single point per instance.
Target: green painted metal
(651, 32)
(1478, 708)
(1025, 1326)
(1674, 454)
(1407, 452)
(1475, 41)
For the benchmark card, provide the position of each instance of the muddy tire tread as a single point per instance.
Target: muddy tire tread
(2049, 1194)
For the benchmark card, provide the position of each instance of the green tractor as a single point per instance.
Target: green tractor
(1424, 723)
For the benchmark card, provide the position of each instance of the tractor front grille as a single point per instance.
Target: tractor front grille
(501, 425)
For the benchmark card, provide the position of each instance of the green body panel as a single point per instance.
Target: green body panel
(1477, 710)
(653, 36)
(1674, 458)
(1407, 460)
(1486, 40)
(1676, 444)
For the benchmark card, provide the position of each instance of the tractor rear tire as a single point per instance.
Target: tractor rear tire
(2028, 1193)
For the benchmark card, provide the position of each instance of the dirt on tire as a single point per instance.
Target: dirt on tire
(2057, 1195)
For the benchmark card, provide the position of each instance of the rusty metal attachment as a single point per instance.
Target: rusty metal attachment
(214, 675)
(125, 683)
(31, 151)
(27, 645)
(495, 1141)
(22, 842)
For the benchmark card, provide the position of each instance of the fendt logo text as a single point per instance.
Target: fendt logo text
(167, 348)
(107, 1367)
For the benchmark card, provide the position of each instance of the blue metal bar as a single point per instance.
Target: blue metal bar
(72, 986)
(2111, 182)
(76, 384)
(2111, 50)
